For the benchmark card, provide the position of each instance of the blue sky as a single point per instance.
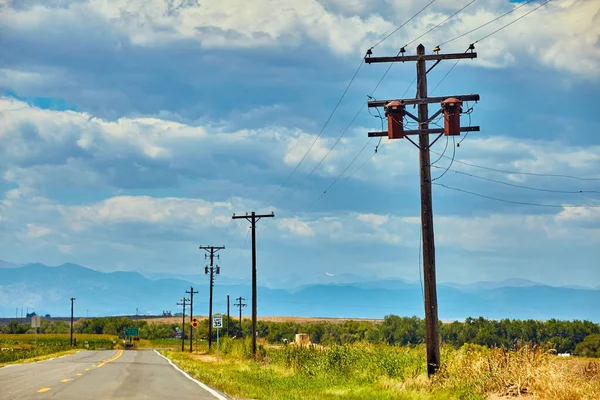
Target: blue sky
(131, 131)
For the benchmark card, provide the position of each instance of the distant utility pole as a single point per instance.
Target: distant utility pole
(191, 293)
(228, 315)
(184, 302)
(211, 250)
(253, 219)
(396, 112)
(72, 301)
(240, 305)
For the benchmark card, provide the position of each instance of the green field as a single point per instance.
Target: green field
(370, 371)
(15, 347)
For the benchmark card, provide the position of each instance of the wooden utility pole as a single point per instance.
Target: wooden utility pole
(72, 301)
(191, 292)
(184, 302)
(253, 219)
(212, 250)
(240, 305)
(228, 315)
(396, 122)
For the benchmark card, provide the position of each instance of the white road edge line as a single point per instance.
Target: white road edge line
(202, 385)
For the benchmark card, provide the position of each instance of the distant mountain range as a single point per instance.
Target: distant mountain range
(47, 290)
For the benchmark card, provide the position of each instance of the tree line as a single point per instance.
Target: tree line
(576, 336)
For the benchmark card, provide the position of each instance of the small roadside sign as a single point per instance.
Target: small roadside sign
(36, 321)
(195, 323)
(131, 332)
(217, 321)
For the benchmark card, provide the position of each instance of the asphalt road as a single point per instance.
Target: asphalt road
(105, 374)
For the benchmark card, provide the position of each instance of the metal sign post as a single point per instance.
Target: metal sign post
(217, 322)
(36, 322)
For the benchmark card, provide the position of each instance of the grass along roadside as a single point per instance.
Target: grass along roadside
(14, 347)
(390, 372)
(41, 358)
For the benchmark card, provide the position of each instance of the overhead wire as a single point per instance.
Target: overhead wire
(520, 172)
(357, 113)
(520, 186)
(337, 178)
(438, 25)
(488, 35)
(427, 32)
(443, 152)
(340, 100)
(240, 251)
(403, 25)
(515, 202)
(451, 161)
(487, 23)
(512, 22)
(319, 133)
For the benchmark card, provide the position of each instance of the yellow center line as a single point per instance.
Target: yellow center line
(66, 380)
(78, 374)
(119, 354)
(42, 390)
(87, 369)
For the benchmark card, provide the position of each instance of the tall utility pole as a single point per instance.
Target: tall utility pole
(240, 305)
(191, 293)
(72, 301)
(228, 315)
(253, 219)
(395, 112)
(211, 250)
(184, 302)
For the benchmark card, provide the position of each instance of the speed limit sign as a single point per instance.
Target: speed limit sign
(217, 321)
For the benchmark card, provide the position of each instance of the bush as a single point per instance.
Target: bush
(590, 347)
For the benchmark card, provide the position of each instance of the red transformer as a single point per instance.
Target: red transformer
(452, 109)
(394, 111)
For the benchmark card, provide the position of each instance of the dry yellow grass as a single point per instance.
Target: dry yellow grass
(531, 371)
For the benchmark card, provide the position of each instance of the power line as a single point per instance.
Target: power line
(330, 149)
(349, 165)
(520, 186)
(443, 152)
(523, 203)
(377, 151)
(488, 35)
(451, 161)
(487, 23)
(240, 251)
(340, 175)
(445, 76)
(419, 37)
(512, 22)
(355, 116)
(339, 102)
(438, 25)
(401, 26)
(520, 173)
(319, 134)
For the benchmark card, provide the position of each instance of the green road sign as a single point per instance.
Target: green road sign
(129, 332)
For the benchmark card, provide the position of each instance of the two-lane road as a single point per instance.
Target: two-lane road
(106, 374)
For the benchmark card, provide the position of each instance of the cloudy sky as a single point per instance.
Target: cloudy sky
(131, 130)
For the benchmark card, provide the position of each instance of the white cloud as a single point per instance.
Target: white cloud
(34, 231)
(295, 226)
(373, 219)
(233, 23)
